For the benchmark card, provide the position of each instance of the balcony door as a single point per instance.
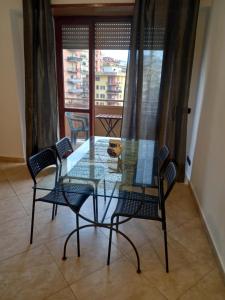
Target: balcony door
(91, 70)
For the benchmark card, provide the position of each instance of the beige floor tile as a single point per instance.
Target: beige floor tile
(19, 178)
(118, 281)
(177, 216)
(94, 246)
(139, 231)
(182, 196)
(10, 209)
(65, 294)
(87, 208)
(31, 275)
(14, 237)
(185, 269)
(62, 225)
(37, 272)
(21, 185)
(180, 206)
(192, 236)
(27, 200)
(211, 287)
(6, 190)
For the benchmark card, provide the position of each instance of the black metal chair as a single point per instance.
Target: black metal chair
(77, 193)
(143, 206)
(162, 160)
(63, 148)
(163, 157)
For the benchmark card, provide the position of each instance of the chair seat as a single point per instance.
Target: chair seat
(76, 195)
(80, 129)
(132, 204)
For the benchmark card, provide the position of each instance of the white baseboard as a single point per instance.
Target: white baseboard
(210, 236)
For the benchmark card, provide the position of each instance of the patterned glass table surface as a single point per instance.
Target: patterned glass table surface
(136, 167)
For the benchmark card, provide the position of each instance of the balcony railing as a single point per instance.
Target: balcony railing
(82, 102)
(114, 84)
(74, 80)
(75, 91)
(72, 70)
(74, 58)
(111, 91)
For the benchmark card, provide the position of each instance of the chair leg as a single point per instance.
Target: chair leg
(53, 211)
(110, 244)
(74, 138)
(117, 221)
(32, 222)
(94, 207)
(78, 236)
(56, 210)
(166, 248)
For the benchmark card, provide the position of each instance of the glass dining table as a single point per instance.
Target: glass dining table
(135, 169)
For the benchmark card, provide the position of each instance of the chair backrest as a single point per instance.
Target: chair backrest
(167, 180)
(40, 161)
(69, 119)
(77, 121)
(163, 156)
(63, 148)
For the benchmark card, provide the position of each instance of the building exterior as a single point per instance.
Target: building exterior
(110, 77)
(109, 86)
(76, 78)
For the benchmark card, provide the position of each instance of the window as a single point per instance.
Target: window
(91, 60)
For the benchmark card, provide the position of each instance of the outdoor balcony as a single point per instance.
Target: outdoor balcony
(75, 91)
(73, 58)
(112, 91)
(114, 83)
(74, 80)
(113, 107)
(72, 70)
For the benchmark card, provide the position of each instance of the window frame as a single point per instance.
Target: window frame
(79, 20)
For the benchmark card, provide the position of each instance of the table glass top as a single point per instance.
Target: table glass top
(90, 163)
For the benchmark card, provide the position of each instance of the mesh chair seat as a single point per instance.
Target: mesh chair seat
(137, 205)
(76, 195)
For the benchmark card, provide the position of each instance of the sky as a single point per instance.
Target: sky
(117, 54)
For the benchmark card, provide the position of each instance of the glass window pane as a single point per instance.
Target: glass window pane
(110, 77)
(76, 78)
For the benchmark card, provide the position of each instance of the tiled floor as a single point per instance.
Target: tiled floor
(38, 272)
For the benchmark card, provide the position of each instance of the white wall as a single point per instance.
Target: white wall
(208, 171)
(12, 111)
(12, 125)
(195, 102)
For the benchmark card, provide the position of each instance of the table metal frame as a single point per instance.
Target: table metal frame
(95, 222)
